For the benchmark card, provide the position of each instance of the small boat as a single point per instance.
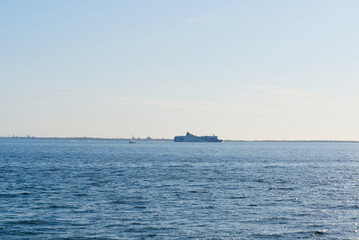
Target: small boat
(132, 140)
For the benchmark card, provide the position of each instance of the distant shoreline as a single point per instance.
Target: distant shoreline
(166, 139)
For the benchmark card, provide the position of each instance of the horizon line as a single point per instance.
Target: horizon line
(171, 139)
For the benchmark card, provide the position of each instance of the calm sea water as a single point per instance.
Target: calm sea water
(58, 189)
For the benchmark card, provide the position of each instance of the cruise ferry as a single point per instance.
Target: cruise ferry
(193, 138)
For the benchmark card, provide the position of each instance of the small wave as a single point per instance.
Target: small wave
(53, 169)
(323, 231)
(151, 228)
(267, 236)
(282, 188)
(303, 214)
(273, 166)
(260, 180)
(135, 223)
(7, 195)
(238, 197)
(84, 211)
(95, 184)
(80, 194)
(118, 202)
(140, 206)
(58, 206)
(142, 229)
(131, 230)
(29, 222)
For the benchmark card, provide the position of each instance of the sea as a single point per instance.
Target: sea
(110, 189)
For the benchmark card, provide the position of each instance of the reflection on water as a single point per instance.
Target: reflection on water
(58, 189)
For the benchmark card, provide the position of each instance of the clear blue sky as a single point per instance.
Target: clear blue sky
(239, 69)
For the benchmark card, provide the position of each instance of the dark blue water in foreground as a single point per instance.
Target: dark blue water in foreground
(58, 189)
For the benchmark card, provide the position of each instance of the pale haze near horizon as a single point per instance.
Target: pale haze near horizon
(247, 70)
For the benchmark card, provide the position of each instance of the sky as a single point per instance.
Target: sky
(241, 69)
